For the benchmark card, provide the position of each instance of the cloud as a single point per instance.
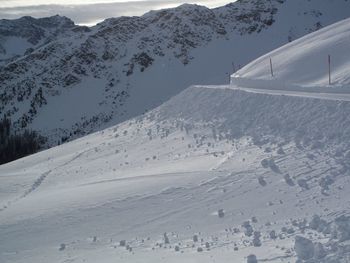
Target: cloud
(90, 14)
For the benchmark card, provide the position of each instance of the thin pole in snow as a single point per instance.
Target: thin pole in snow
(233, 67)
(329, 70)
(271, 67)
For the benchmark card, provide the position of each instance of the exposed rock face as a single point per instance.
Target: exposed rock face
(259, 16)
(108, 64)
(32, 33)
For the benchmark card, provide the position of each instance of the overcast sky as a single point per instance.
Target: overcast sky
(89, 12)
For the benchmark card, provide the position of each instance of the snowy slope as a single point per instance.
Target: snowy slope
(293, 62)
(125, 66)
(270, 162)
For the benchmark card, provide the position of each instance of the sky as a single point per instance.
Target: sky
(90, 12)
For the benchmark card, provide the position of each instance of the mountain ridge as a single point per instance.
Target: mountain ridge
(125, 66)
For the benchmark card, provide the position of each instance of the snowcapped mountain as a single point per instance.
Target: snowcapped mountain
(78, 80)
(22, 36)
(215, 174)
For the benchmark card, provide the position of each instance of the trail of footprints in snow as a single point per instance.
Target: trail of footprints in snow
(38, 182)
(33, 187)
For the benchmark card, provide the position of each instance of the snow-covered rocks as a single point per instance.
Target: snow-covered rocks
(248, 229)
(326, 182)
(272, 234)
(166, 238)
(256, 239)
(304, 248)
(289, 180)
(341, 228)
(318, 224)
(199, 249)
(122, 243)
(221, 213)
(262, 181)
(62, 247)
(252, 259)
(270, 163)
(319, 251)
(333, 248)
(303, 184)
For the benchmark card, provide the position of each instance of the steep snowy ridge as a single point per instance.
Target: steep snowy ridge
(292, 63)
(21, 36)
(245, 173)
(125, 66)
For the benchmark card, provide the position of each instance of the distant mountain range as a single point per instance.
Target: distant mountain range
(65, 81)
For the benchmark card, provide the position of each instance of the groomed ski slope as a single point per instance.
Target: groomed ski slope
(304, 62)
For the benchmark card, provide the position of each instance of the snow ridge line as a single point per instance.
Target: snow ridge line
(277, 84)
(280, 92)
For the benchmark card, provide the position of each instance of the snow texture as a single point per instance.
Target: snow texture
(215, 174)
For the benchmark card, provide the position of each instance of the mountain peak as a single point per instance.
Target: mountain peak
(47, 22)
(57, 20)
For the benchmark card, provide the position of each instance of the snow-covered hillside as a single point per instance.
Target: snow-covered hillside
(92, 78)
(213, 175)
(216, 174)
(304, 62)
